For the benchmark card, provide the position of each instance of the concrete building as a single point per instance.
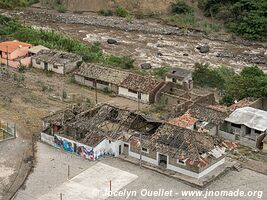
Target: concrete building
(181, 77)
(246, 125)
(56, 61)
(143, 88)
(111, 131)
(15, 54)
(36, 49)
(103, 78)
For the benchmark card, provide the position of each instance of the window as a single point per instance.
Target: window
(132, 91)
(236, 125)
(174, 80)
(258, 132)
(145, 150)
(180, 162)
(55, 67)
(103, 82)
(126, 145)
(38, 62)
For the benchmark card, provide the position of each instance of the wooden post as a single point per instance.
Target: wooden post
(61, 196)
(15, 130)
(110, 185)
(139, 98)
(68, 172)
(7, 55)
(95, 91)
(140, 150)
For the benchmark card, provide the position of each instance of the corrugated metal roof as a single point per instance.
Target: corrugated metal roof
(250, 117)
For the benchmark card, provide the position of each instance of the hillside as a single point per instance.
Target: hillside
(245, 18)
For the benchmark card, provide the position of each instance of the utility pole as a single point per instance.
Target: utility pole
(61, 196)
(95, 82)
(140, 161)
(7, 55)
(139, 98)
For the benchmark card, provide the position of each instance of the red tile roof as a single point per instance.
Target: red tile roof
(12, 46)
(184, 121)
(143, 84)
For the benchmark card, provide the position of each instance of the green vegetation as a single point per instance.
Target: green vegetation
(251, 82)
(121, 11)
(247, 18)
(9, 4)
(180, 7)
(105, 12)
(160, 72)
(10, 28)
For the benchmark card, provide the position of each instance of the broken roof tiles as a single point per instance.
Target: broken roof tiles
(144, 84)
(102, 73)
(57, 57)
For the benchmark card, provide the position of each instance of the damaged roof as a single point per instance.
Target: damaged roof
(208, 114)
(250, 117)
(179, 72)
(144, 84)
(102, 73)
(57, 57)
(184, 121)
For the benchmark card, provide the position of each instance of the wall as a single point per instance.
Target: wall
(193, 174)
(61, 69)
(81, 80)
(136, 6)
(125, 93)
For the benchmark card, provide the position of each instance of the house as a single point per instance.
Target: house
(264, 147)
(143, 88)
(103, 78)
(202, 118)
(247, 125)
(111, 131)
(181, 77)
(15, 54)
(36, 49)
(56, 61)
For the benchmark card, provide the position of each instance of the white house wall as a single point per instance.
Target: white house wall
(194, 174)
(125, 92)
(144, 158)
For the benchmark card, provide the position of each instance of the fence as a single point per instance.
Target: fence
(7, 131)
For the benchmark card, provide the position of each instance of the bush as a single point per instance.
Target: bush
(61, 8)
(180, 7)
(121, 12)
(105, 12)
(247, 18)
(161, 72)
(123, 62)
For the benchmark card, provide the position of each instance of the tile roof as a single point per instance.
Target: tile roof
(102, 73)
(184, 121)
(57, 57)
(144, 84)
(208, 114)
(12, 46)
(183, 143)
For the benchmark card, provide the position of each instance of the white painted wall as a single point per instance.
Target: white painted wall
(144, 158)
(194, 174)
(125, 92)
(49, 139)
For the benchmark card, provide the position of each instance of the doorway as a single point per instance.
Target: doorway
(162, 160)
(120, 150)
(46, 66)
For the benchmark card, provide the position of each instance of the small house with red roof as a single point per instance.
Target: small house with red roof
(15, 53)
